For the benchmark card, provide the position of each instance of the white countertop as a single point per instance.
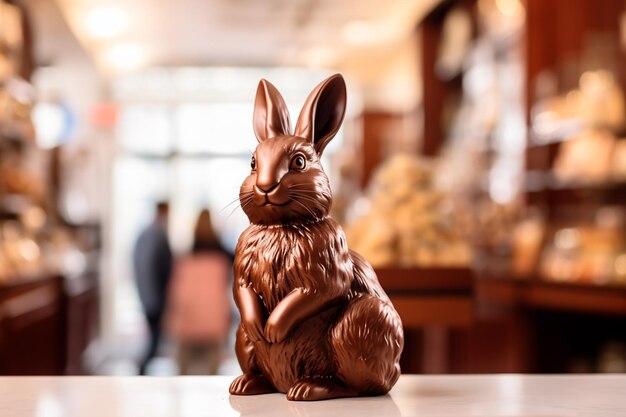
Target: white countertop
(486, 396)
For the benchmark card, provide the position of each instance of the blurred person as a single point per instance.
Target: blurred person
(152, 259)
(199, 313)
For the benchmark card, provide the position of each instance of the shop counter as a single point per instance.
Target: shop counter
(445, 395)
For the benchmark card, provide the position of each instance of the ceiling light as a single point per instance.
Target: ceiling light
(124, 57)
(106, 22)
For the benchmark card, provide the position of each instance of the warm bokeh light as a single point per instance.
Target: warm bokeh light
(106, 22)
(50, 120)
(358, 32)
(125, 56)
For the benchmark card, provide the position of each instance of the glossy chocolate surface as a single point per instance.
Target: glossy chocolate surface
(315, 322)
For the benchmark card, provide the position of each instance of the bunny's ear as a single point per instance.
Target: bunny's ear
(271, 117)
(323, 112)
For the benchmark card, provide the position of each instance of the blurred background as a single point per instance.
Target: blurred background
(481, 169)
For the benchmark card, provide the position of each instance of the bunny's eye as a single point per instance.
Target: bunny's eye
(298, 162)
(253, 163)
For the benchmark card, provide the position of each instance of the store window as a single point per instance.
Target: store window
(185, 135)
(145, 128)
(214, 128)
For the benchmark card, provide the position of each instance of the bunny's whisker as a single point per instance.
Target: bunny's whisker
(245, 201)
(311, 192)
(307, 209)
(305, 189)
(305, 198)
(229, 204)
(232, 212)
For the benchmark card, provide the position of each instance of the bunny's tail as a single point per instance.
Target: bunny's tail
(367, 342)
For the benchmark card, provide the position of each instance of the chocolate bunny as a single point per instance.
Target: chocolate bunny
(315, 322)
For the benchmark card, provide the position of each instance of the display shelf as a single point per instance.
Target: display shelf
(597, 194)
(605, 299)
(504, 331)
(425, 280)
(12, 204)
(81, 315)
(545, 327)
(433, 304)
(18, 280)
(31, 324)
(47, 323)
(429, 296)
(18, 134)
(535, 293)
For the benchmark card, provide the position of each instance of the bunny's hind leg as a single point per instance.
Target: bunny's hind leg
(318, 388)
(252, 382)
(367, 341)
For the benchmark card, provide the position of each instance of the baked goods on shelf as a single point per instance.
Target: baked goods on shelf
(588, 253)
(408, 222)
(586, 158)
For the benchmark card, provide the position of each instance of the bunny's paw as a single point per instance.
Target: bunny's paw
(275, 331)
(314, 389)
(250, 384)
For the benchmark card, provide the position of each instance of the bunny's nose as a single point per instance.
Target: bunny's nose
(266, 187)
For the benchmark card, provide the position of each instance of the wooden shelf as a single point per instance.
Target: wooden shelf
(425, 280)
(606, 193)
(32, 323)
(432, 303)
(429, 296)
(562, 296)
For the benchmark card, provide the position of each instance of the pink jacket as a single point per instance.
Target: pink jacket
(198, 307)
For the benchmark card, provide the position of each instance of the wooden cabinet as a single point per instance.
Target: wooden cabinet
(46, 325)
(32, 327)
(531, 325)
(81, 306)
(436, 308)
(455, 322)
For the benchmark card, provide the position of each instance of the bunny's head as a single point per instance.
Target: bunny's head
(287, 183)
